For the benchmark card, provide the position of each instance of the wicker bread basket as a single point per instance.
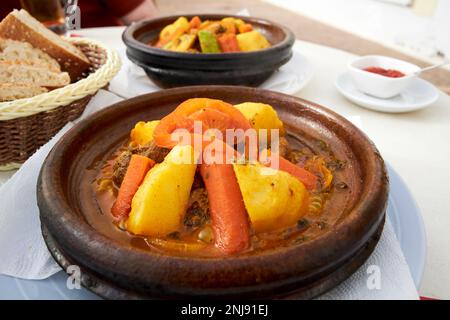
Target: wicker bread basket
(27, 124)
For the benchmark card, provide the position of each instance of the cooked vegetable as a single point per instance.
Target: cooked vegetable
(165, 35)
(229, 218)
(137, 169)
(246, 27)
(228, 43)
(206, 235)
(306, 177)
(174, 245)
(205, 24)
(173, 31)
(317, 166)
(238, 22)
(273, 199)
(230, 205)
(192, 106)
(261, 116)
(213, 114)
(228, 25)
(184, 42)
(315, 204)
(142, 133)
(159, 204)
(214, 27)
(251, 41)
(208, 42)
(195, 22)
(214, 36)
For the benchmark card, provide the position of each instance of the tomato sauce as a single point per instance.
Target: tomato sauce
(391, 73)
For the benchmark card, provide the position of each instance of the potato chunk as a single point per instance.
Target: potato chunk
(261, 116)
(185, 42)
(159, 204)
(142, 132)
(273, 199)
(180, 25)
(251, 41)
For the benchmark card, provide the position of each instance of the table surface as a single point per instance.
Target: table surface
(304, 28)
(415, 144)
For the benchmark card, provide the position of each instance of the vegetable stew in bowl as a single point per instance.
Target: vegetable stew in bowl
(210, 36)
(138, 197)
(234, 50)
(196, 209)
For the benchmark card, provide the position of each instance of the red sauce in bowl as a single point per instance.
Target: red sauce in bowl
(391, 73)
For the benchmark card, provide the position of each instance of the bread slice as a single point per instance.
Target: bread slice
(13, 91)
(24, 73)
(21, 26)
(11, 50)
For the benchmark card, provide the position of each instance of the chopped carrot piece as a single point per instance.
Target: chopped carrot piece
(195, 22)
(213, 114)
(305, 177)
(228, 43)
(229, 218)
(245, 28)
(136, 171)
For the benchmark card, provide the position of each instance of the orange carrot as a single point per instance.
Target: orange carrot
(136, 171)
(245, 28)
(195, 22)
(228, 43)
(229, 218)
(305, 177)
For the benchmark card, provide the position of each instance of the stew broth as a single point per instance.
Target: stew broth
(324, 208)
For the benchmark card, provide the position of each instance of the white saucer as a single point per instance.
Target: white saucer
(420, 94)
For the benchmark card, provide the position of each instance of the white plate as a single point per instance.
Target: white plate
(293, 76)
(132, 81)
(420, 94)
(406, 219)
(402, 211)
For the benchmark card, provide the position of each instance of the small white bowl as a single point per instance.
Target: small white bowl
(377, 85)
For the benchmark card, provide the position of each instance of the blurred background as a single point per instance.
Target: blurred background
(414, 30)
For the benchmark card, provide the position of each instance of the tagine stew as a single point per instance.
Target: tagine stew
(210, 36)
(155, 193)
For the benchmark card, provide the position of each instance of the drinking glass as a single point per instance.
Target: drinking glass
(49, 12)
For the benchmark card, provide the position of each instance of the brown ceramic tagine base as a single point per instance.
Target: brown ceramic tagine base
(77, 232)
(108, 290)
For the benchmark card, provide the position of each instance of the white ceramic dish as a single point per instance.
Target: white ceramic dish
(419, 94)
(402, 211)
(377, 85)
(406, 219)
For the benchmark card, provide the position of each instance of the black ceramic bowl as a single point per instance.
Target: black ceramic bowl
(175, 69)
